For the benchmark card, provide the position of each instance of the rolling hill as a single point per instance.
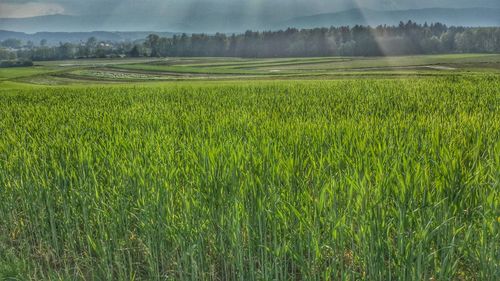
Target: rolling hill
(457, 17)
(53, 38)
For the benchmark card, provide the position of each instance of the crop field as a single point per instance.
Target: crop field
(243, 171)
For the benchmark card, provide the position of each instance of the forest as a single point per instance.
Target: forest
(407, 38)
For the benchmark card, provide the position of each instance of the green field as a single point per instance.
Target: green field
(233, 169)
(176, 69)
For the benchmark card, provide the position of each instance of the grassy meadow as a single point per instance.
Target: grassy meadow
(322, 170)
(119, 71)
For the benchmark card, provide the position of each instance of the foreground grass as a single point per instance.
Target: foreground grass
(340, 180)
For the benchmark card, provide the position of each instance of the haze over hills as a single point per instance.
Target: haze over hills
(74, 28)
(234, 15)
(54, 38)
(456, 17)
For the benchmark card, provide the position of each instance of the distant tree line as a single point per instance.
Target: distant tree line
(405, 39)
(14, 50)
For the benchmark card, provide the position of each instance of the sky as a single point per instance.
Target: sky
(191, 8)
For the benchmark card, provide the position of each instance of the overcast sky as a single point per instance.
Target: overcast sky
(29, 8)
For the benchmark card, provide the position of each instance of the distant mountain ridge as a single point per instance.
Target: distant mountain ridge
(457, 17)
(210, 21)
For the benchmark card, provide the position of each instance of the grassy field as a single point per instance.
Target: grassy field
(178, 69)
(238, 173)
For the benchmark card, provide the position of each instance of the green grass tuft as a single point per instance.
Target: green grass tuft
(313, 180)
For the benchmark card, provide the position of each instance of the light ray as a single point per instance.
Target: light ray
(380, 45)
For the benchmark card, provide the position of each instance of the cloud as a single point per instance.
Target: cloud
(29, 9)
